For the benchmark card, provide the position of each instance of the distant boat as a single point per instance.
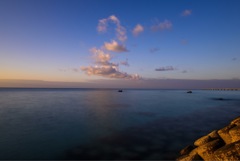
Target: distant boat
(189, 91)
(120, 90)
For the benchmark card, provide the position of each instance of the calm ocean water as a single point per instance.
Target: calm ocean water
(105, 124)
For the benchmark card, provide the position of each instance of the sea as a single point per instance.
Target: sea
(59, 124)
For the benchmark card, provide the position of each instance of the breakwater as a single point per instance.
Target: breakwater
(222, 144)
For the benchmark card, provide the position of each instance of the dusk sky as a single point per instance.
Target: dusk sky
(127, 41)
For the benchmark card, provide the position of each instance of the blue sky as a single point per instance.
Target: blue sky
(63, 40)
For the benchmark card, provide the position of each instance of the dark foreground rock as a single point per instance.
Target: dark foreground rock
(219, 145)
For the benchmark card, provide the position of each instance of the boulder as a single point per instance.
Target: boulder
(206, 151)
(186, 150)
(228, 152)
(214, 135)
(189, 157)
(224, 133)
(202, 140)
(236, 121)
(235, 133)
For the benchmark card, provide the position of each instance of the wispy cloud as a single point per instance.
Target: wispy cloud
(160, 26)
(153, 50)
(137, 30)
(70, 69)
(115, 47)
(120, 30)
(102, 25)
(234, 59)
(75, 69)
(184, 71)
(186, 12)
(167, 68)
(125, 63)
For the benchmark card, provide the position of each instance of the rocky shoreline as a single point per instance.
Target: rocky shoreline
(219, 145)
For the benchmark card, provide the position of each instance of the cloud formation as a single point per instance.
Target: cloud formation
(160, 26)
(120, 30)
(103, 67)
(137, 30)
(186, 12)
(102, 59)
(167, 68)
(234, 59)
(109, 71)
(115, 47)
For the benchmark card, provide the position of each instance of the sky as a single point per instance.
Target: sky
(120, 43)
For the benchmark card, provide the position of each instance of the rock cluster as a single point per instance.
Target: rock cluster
(219, 145)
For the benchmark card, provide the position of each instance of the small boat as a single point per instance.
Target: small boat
(189, 91)
(120, 90)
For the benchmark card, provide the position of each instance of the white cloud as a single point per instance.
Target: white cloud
(137, 30)
(120, 30)
(103, 67)
(115, 47)
(186, 12)
(165, 25)
(108, 71)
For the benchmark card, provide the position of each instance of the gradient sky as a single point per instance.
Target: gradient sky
(89, 40)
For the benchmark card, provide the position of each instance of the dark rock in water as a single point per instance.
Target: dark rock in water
(189, 91)
(120, 90)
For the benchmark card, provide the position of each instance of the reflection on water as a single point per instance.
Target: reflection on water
(106, 124)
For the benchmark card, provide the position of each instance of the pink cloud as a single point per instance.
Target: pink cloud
(120, 30)
(186, 12)
(115, 47)
(103, 67)
(108, 71)
(137, 30)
